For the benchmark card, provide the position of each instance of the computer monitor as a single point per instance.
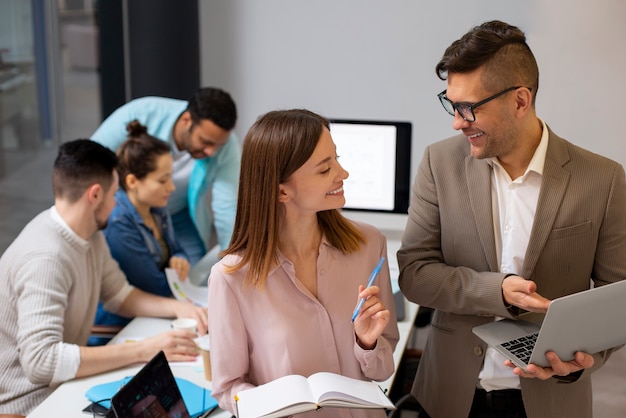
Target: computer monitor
(377, 154)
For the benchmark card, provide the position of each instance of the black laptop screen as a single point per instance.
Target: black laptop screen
(151, 393)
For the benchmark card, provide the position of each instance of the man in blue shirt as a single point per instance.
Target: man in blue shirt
(207, 158)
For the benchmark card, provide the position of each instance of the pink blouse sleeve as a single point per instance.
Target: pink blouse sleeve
(228, 340)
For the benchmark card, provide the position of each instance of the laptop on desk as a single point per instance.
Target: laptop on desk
(152, 393)
(588, 321)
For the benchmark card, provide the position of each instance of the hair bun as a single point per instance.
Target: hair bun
(135, 129)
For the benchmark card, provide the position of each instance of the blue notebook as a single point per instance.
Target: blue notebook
(197, 399)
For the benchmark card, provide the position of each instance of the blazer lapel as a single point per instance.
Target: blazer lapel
(554, 185)
(478, 174)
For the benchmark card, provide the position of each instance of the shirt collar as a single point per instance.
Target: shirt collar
(56, 216)
(539, 158)
(324, 246)
(122, 200)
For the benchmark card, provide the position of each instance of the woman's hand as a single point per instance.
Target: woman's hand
(373, 318)
(181, 266)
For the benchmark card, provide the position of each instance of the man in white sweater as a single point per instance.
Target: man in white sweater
(52, 277)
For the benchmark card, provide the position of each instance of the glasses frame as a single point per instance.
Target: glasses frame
(464, 107)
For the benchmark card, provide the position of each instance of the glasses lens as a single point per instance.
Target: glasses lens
(447, 104)
(465, 111)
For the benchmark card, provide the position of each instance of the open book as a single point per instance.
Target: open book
(294, 394)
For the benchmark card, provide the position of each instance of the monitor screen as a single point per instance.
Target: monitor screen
(377, 154)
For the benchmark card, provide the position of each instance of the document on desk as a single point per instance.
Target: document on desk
(185, 290)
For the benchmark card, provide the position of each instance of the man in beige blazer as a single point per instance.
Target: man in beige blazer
(503, 219)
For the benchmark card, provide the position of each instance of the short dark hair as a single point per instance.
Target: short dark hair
(138, 154)
(215, 105)
(498, 47)
(78, 165)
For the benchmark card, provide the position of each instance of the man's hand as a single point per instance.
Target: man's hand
(522, 293)
(557, 367)
(178, 345)
(189, 310)
(140, 303)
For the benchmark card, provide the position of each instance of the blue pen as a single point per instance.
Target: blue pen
(370, 282)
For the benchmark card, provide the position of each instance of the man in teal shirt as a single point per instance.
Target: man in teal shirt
(207, 158)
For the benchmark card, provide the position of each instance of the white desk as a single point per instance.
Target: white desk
(69, 399)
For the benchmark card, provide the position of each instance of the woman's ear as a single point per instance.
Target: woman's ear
(131, 181)
(283, 195)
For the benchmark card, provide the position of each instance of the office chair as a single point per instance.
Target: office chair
(102, 334)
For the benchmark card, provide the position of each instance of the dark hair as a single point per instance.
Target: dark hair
(498, 47)
(138, 154)
(215, 105)
(277, 145)
(80, 164)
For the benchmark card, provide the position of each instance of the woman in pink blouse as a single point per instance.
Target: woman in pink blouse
(281, 299)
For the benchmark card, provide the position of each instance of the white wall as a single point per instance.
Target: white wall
(371, 59)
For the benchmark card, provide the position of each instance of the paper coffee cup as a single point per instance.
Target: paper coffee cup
(204, 344)
(188, 324)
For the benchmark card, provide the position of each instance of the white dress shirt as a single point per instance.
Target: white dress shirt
(514, 206)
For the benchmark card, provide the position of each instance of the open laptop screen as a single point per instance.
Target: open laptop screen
(151, 393)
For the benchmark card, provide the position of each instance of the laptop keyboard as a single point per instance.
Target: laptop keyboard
(522, 347)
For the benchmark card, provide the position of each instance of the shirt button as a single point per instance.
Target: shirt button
(478, 350)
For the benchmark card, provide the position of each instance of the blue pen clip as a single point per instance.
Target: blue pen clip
(370, 282)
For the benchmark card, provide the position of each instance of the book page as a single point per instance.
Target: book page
(336, 390)
(278, 395)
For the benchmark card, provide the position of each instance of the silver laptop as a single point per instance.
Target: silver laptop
(588, 321)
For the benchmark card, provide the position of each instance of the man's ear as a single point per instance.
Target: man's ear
(185, 117)
(523, 99)
(95, 193)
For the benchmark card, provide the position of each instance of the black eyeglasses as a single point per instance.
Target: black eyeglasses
(466, 110)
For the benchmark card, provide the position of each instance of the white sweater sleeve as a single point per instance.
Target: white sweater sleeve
(68, 361)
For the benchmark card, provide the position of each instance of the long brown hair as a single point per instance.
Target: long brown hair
(277, 145)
